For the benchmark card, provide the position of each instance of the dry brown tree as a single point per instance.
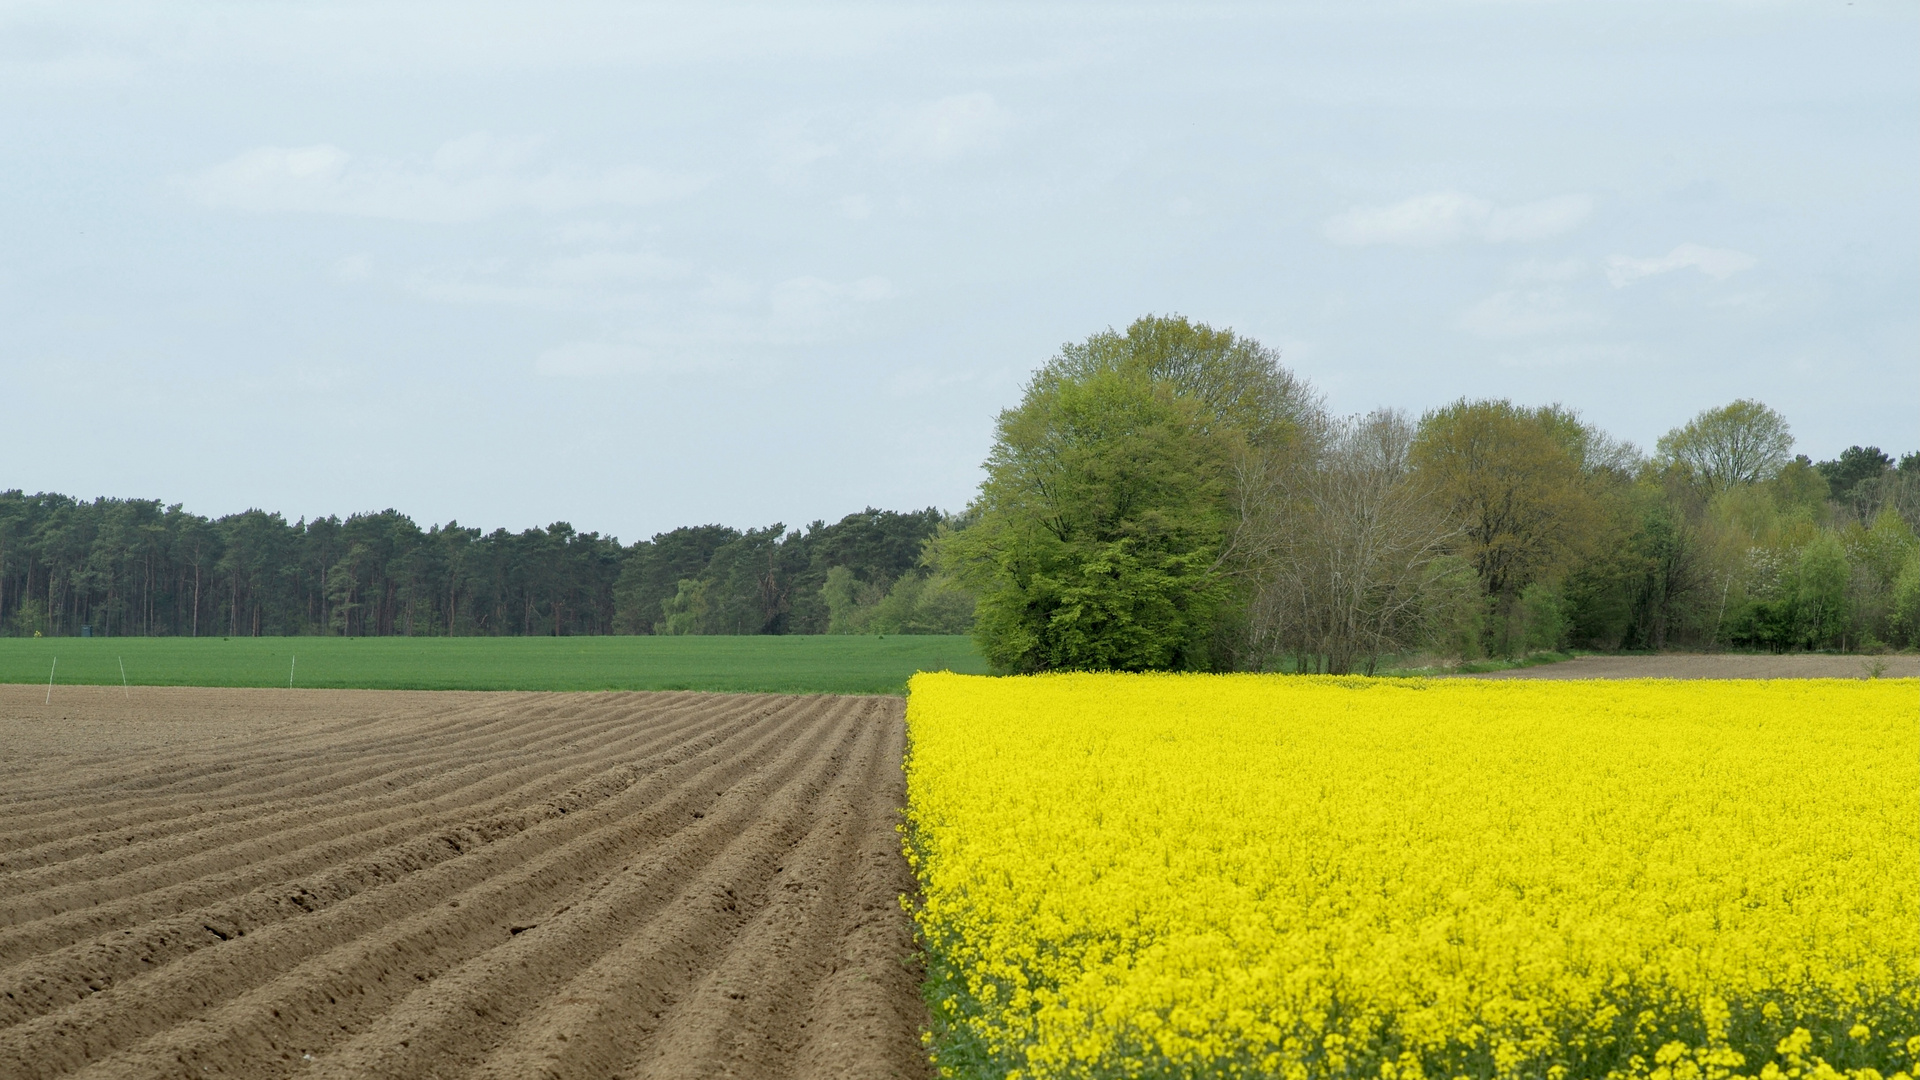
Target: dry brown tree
(1345, 549)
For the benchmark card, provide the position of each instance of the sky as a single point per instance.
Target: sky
(635, 267)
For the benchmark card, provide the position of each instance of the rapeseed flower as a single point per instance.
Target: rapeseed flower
(1240, 876)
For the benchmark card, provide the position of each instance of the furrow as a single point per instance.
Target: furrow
(373, 944)
(715, 991)
(305, 799)
(69, 927)
(175, 771)
(256, 779)
(74, 973)
(682, 890)
(865, 1017)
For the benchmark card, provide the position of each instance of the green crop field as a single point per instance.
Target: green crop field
(795, 664)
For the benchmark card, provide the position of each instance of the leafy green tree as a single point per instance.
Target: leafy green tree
(924, 604)
(1543, 617)
(1799, 488)
(1905, 609)
(1820, 594)
(653, 571)
(850, 601)
(1243, 391)
(1672, 579)
(1515, 485)
(686, 611)
(1855, 464)
(1099, 539)
(1099, 527)
(1740, 443)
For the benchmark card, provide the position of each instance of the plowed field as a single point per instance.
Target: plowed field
(354, 883)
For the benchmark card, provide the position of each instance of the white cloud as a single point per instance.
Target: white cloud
(951, 127)
(812, 301)
(469, 178)
(1716, 263)
(1438, 218)
(591, 281)
(1443, 217)
(1538, 220)
(1513, 313)
(705, 334)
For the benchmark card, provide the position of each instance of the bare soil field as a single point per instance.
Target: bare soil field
(336, 883)
(1717, 666)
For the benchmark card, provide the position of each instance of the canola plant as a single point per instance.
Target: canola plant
(1283, 876)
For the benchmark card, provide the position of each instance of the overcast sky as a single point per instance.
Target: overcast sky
(636, 267)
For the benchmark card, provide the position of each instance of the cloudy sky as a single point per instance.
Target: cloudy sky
(638, 267)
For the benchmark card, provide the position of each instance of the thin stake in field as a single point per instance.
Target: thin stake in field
(50, 671)
(290, 666)
(124, 692)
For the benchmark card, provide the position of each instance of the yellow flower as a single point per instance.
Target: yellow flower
(1307, 877)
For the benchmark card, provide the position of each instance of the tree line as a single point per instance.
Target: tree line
(137, 567)
(1171, 497)
(1168, 497)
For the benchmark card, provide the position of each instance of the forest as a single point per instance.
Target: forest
(1164, 497)
(1171, 497)
(118, 567)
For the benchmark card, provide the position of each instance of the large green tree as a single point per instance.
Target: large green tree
(1518, 484)
(1743, 442)
(1100, 534)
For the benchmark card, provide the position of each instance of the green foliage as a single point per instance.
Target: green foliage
(1461, 612)
(1238, 384)
(1544, 626)
(1904, 616)
(923, 604)
(651, 577)
(1100, 523)
(1820, 593)
(1671, 577)
(850, 601)
(29, 619)
(1799, 488)
(134, 567)
(1515, 481)
(771, 580)
(770, 664)
(686, 611)
(1743, 442)
(1805, 605)
(1855, 464)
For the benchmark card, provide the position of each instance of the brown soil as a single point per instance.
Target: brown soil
(1717, 666)
(264, 883)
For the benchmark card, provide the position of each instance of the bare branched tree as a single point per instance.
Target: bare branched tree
(1346, 549)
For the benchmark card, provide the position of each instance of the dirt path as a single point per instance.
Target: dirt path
(355, 883)
(1716, 666)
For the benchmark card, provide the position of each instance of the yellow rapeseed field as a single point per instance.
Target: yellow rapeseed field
(1185, 876)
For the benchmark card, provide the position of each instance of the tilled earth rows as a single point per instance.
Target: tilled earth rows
(348, 883)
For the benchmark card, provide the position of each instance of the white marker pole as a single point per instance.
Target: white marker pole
(290, 667)
(128, 694)
(50, 671)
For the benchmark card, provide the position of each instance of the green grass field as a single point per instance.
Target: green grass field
(796, 664)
